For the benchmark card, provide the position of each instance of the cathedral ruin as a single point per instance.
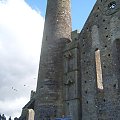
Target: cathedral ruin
(79, 73)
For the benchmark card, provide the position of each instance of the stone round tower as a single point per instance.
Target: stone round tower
(57, 33)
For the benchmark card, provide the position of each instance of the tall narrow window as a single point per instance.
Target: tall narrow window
(70, 62)
(116, 58)
(98, 69)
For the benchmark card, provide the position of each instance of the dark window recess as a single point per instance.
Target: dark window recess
(70, 62)
(106, 36)
(112, 5)
(104, 66)
(114, 85)
(96, 49)
(86, 92)
(96, 15)
(103, 20)
(105, 46)
(116, 60)
(70, 65)
(83, 52)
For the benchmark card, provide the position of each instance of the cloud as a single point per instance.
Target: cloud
(21, 29)
(13, 106)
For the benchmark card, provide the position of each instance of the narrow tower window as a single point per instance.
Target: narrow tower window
(70, 61)
(98, 69)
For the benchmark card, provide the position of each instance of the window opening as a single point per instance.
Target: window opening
(116, 54)
(112, 5)
(98, 69)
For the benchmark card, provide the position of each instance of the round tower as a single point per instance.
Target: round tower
(57, 32)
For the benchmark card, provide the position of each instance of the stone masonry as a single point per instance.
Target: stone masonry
(57, 32)
(79, 73)
(99, 41)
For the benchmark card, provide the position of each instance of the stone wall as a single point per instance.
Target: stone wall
(57, 32)
(101, 32)
(72, 81)
(80, 79)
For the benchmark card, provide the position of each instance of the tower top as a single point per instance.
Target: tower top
(58, 19)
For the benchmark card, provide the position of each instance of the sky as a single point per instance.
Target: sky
(21, 29)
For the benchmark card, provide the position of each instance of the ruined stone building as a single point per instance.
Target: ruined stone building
(79, 73)
(2, 117)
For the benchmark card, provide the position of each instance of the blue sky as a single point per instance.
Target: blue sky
(80, 10)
